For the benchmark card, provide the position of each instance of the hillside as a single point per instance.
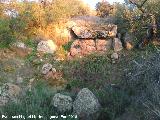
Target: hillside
(60, 60)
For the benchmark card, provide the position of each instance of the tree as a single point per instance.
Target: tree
(150, 14)
(103, 9)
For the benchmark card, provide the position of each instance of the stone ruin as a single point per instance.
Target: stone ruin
(92, 34)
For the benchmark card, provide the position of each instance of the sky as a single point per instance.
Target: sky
(92, 3)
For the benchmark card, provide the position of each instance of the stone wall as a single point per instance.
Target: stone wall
(93, 35)
(86, 46)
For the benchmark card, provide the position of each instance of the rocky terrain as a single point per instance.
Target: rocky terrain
(98, 80)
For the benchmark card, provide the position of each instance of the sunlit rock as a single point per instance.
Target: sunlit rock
(47, 46)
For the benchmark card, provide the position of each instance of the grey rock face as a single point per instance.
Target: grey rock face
(89, 27)
(63, 103)
(86, 103)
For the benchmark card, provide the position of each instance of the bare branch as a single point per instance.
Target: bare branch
(140, 7)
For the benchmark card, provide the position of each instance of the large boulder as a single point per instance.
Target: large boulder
(89, 27)
(95, 31)
(62, 103)
(46, 46)
(86, 104)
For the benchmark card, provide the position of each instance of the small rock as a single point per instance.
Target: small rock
(63, 103)
(128, 46)
(20, 45)
(47, 46)
(115, 56)
(46, 68)
(86, 103)
(117, 45)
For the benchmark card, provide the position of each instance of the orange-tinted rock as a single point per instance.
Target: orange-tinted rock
(128, 40)
(88, 46)
(103, 45)
(128, 46)
(76, 48)
(82, 47)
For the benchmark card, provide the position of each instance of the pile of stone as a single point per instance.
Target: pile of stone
(93, 35)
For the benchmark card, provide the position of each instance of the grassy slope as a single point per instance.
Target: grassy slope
(111, 83)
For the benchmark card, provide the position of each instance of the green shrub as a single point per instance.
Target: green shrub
(67, 46)
(114, 102)
(35, 102)
(6, 34)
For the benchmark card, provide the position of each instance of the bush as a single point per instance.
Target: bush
(67, 46)
(37, 102)
(6, 34)
(114, 102)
